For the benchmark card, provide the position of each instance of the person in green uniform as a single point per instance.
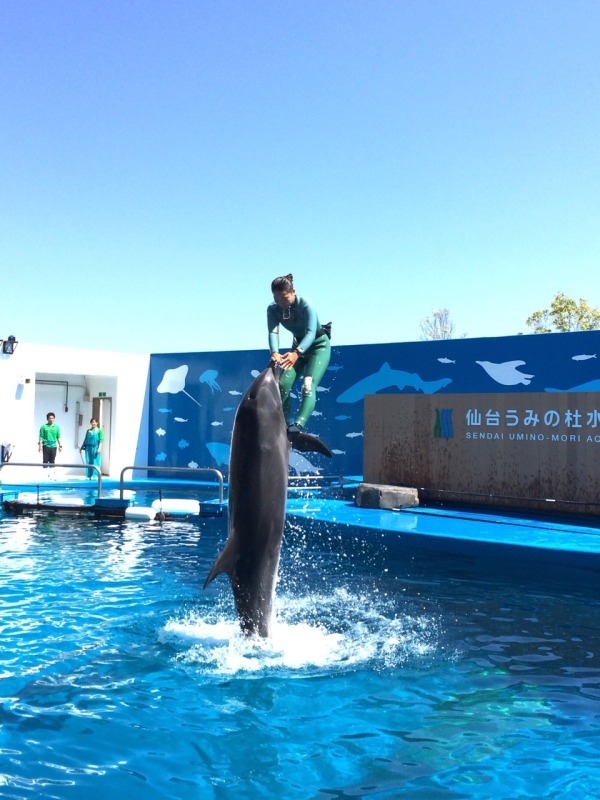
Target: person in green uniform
(310, 353)
(92, 444)
(49, 440)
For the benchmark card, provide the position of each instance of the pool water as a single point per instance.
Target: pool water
(390, 674)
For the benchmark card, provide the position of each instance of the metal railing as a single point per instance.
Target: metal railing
(54, 466)
(191, 470)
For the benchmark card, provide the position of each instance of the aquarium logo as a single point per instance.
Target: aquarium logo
(442, 428)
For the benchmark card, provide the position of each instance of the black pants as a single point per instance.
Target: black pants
(48, 454)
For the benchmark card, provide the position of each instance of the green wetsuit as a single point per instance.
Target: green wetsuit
(313, 348)
(93, 439)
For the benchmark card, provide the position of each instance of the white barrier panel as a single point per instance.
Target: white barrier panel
(177, 508)
(140, 512)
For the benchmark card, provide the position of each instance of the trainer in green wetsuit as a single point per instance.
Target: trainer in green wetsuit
(92, 444)
(310, 353)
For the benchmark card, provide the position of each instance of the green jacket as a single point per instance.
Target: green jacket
(49, 434)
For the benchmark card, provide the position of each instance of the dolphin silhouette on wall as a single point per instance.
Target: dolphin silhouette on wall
(258, 480)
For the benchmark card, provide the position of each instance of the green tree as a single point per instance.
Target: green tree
(438, 326)
(565, 315)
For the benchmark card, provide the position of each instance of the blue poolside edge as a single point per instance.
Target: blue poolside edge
(465, 532)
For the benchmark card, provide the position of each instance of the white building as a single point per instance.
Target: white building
(76, 385)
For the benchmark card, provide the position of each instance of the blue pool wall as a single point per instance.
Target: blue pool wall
(193, 397)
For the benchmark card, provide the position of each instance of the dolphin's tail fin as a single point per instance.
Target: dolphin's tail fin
(224, 563)
(307, 443)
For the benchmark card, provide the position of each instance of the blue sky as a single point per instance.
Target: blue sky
(163, 161)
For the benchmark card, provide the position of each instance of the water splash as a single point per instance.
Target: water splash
(316, 633)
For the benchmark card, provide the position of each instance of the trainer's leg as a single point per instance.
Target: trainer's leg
(96, 462)
(287, 378)
(313, 375)
(89, 459)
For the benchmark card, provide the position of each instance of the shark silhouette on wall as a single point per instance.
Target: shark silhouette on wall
(387, 378)
(590, 386)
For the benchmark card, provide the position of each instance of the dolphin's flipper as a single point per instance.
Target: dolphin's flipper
(224, 563)
(307, 443)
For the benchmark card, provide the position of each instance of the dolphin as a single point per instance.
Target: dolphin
(258, 481)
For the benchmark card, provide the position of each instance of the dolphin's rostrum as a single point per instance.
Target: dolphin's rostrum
(258, 479)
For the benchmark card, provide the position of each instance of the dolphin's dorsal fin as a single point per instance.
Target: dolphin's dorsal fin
(307, 443)
(224, 563)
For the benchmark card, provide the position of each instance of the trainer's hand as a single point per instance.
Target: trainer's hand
(289, 359)
(276, 357)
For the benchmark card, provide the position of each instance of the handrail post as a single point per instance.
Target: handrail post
(96, 469)
(194, 470)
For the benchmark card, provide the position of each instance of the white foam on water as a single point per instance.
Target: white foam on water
(336, 631)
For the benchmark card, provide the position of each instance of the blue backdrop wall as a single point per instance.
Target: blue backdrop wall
(193, 397)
